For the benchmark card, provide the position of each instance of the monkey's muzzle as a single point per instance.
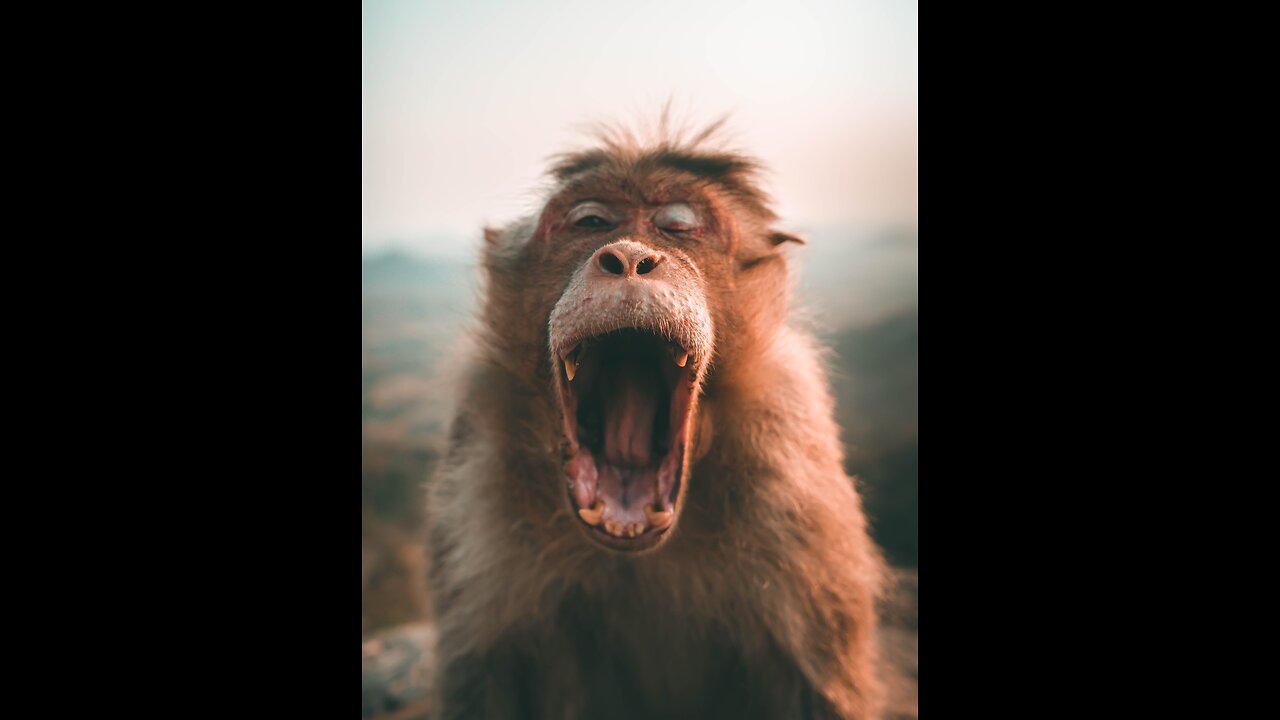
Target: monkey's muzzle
(629, 338)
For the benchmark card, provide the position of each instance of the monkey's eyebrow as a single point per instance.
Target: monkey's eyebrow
(710, 166)
(575, 163)
(735, 173)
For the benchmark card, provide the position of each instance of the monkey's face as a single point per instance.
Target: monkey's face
(643, 282)
(630, 337)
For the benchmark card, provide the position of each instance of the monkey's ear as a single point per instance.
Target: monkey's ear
(777, 238)
(491, 236)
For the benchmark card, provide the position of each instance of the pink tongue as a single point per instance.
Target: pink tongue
(630, 407)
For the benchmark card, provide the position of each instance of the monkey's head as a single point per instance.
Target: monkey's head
(647, 275)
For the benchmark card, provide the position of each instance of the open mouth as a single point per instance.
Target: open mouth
(626, 397)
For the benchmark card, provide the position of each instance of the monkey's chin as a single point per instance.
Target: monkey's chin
(627, 399)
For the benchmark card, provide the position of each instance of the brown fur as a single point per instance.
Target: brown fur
(761, 603)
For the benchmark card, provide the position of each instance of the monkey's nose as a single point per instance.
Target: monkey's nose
(627, 259)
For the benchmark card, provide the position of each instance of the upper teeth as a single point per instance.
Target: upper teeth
(592, 516)
(678, 354)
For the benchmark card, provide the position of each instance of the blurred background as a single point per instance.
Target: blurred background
(462, 104)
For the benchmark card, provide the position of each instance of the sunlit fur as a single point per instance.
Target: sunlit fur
(762, 601)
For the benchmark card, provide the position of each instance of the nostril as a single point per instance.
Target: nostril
(646, 266)
(611, 263)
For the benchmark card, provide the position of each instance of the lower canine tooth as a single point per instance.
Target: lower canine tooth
(592, 516)
(658, 518)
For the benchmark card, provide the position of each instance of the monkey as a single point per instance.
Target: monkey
(642, 510)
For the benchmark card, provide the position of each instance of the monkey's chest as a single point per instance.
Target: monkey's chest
(638, 660)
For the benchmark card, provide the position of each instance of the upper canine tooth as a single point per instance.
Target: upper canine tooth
(570, 368)
(658, 518)
(680, 355)
(592, 516)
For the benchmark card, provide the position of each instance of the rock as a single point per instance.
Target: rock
(395, 673)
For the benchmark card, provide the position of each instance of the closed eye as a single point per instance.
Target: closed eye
(677, 217)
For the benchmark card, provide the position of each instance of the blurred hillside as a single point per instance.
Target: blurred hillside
(859, 292)
(876, 386)
(411, 312)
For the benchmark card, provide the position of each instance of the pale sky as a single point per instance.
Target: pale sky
(462, 102)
